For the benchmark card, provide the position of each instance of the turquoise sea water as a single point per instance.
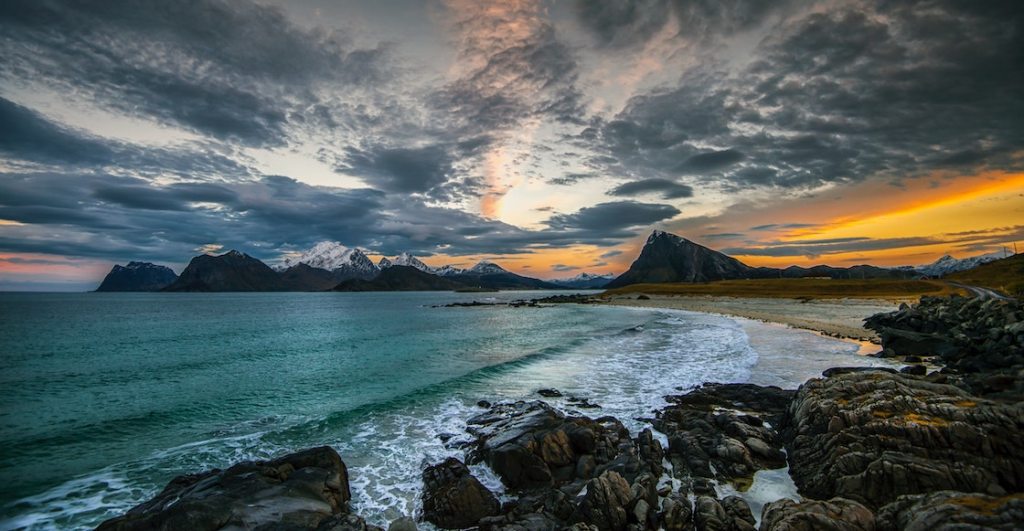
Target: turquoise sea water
(106, 397)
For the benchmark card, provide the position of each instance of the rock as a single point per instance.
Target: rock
(676, 513)
(297, 491)
(719, 431)
(338, 522)
(404, 523)
(948, 510)
(605, 504)
(549, 393)
(899, 435)
(837, 514)
(455, 499)
(532, 445)
(915, 370)
(711, 514)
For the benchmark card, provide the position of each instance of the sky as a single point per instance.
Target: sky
(549, 136)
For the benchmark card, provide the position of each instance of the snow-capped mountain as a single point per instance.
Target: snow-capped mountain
(947, 264)
(449, 270)
(585, 281)
(484, 267)
(405, 259)
(337, 258)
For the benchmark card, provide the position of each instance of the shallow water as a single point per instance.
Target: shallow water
(106, 397)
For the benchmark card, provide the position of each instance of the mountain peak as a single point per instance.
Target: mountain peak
(667, 257)
(333, 256)
(484, 267)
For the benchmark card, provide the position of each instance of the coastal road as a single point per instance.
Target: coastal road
(982, 293)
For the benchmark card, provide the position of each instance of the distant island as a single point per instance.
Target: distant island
(331, 266)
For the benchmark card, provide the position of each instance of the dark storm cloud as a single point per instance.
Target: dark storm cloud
(26, 135)
(667, 189)
(613, 217)
(408, 170)
(881, 89)
(29, 137)
(231, 70)
(619, 23)
(611, 254)
(99, 215)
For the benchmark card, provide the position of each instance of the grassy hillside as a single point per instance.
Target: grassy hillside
(1005, 275)
(798, 288)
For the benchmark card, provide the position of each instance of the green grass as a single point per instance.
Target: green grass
(1005, 275)
(798, 288)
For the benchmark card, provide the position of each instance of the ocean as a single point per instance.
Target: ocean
(104, 397)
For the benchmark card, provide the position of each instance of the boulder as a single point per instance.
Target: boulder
(531, 445)
(676, 513)
(837, 514)
(606, 504)
(453, 498)
(873, 436)
(941, 511)
(711, 514)
(304, 490)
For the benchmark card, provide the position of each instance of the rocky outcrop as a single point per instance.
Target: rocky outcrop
(137, 276)
(455, 499)
(980, 341)
(872, 436)
(837, 514)
(304, 490)
(724, 432)
(942, 511)
(533, 445)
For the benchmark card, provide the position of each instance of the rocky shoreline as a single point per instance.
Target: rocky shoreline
(867, 448)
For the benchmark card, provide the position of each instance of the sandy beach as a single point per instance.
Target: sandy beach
(834, 317)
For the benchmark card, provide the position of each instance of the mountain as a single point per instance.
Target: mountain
(138, 276)
(584, 281)
(405, 259)
(947, 264)
(401, 278)
(231, 271)
(302, 277)
(670, 258)
(853, 272)
(343, 262)
(449, 270)
(492, 276)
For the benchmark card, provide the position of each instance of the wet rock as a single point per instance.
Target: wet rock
(549, 393)
(837, 514)
(606, 503)
(724, 431)
(676, 513)
(979, 340)
(298, 491)
(455, 499)
(404, 523)
(874, 436)
(711, 514)
(338, 522)
(915, 370)
(532, 445)
(940, 511)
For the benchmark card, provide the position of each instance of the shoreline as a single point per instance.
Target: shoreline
(836, 318)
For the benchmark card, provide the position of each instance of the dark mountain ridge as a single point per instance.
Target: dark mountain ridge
(231, 271)
(401, 278)
(668, 258)
(138, 276)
